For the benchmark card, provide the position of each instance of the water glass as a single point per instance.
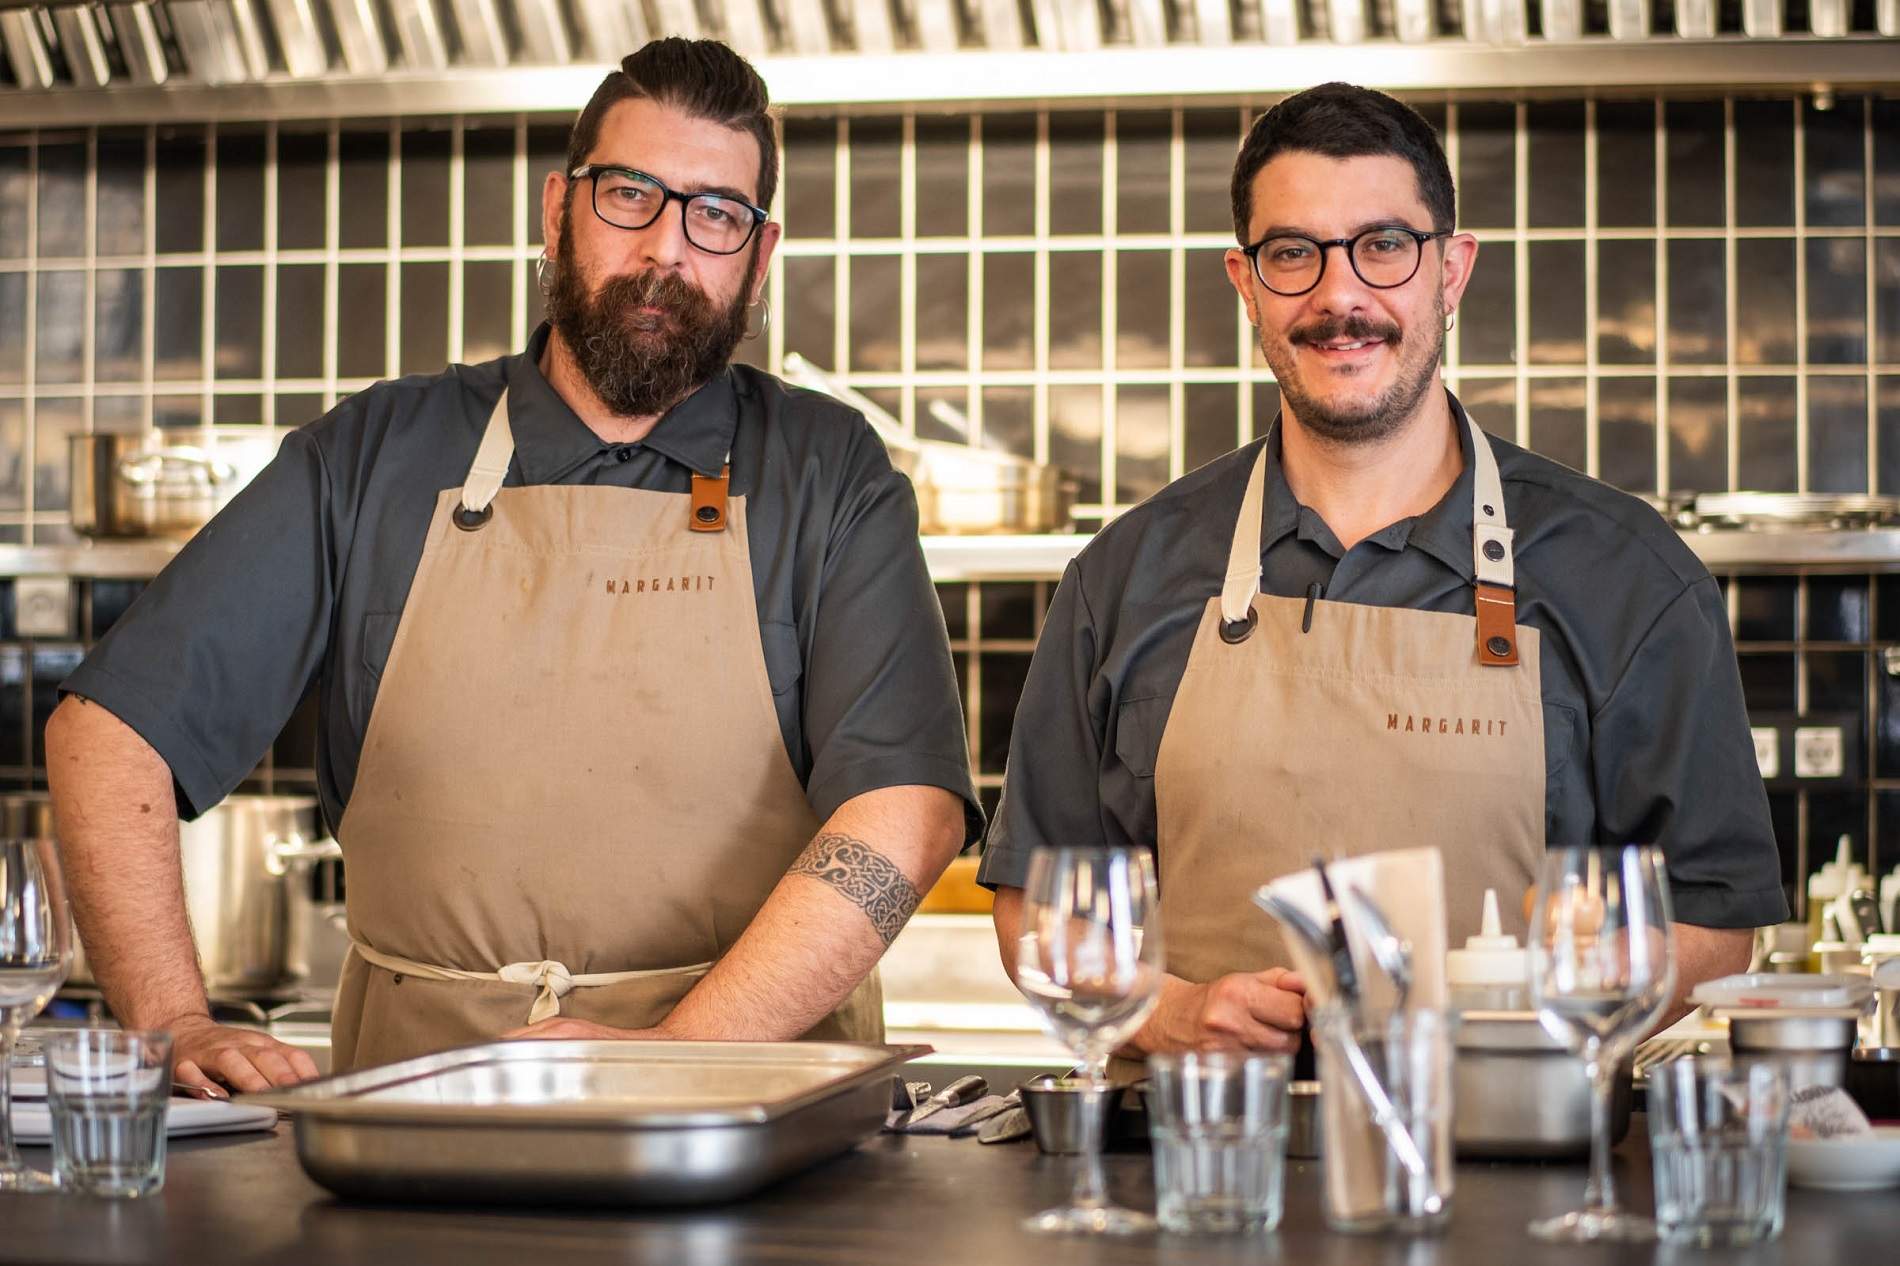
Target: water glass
(1387, 1109)
(1718, 1135)
(1218, 1124)
(107, 1092)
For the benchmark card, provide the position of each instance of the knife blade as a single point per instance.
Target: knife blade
(1006, 1127)
(984, 1115)
(962, 1090)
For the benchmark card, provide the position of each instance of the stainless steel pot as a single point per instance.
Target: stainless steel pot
(1519, 1092)
(247, 867)
(1811, 1045)
(164, 483)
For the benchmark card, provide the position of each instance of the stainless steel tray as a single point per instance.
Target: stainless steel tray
(621, 1123)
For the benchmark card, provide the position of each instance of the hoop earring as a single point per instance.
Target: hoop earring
(542, 266)
(1450, 320)
(765, 320)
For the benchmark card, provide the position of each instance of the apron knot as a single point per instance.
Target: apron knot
(553, 979)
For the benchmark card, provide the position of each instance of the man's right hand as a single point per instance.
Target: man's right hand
(205, 1053)
(1260, 1011)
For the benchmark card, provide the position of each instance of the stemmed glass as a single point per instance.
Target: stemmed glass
(1089, 959)
(36, 952)
(1603, 967)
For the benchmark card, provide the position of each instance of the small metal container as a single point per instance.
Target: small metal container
(1518, 1092)
(1812, 1045)
(1055, 1106)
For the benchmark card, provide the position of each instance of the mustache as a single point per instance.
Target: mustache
(1354, 327)
(667, 291)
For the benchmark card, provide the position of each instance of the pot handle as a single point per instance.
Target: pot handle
(284, 854)
(145, 468)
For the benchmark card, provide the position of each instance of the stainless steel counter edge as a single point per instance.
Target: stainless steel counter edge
(960, 558)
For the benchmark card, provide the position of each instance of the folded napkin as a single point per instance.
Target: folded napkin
(946, 1120)
(32, 1123)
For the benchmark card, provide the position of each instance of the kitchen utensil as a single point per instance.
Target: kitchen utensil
(961, 488)
(1389, 950)
(1068, 1116)
(1387, 1161)
(1217, 1124)
(1519, 1092)
(247, 863)
(1865, 1164)
(1603, 967)
(1718, 1140)
(36, 952)
(961, 1091)
(585, 1122)
(1007, 1127)
(107, 1091)
(1338, 944)
(163, 482)
(1000, 1105)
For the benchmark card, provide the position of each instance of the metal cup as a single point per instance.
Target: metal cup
(1056, 1105)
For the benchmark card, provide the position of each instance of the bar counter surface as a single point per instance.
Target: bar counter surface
(895, 1201)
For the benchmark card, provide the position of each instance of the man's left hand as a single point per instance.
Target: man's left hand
(563, 1027)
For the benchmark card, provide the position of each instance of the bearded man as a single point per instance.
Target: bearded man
(1376, 626)
(637, 712)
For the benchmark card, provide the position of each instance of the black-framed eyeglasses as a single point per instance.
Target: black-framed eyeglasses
(1291, 264)
(630, 199)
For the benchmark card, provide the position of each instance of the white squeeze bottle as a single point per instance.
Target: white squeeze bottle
(1843, 874)
(1492, 972)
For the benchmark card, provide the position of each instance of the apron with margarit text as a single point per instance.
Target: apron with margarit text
(1307, 728)
(574, 793)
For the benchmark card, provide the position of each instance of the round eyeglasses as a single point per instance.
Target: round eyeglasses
(627, 199)
(1291, 263)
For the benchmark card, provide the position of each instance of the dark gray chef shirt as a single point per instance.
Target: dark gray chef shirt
(1645, 734)
(301, 580)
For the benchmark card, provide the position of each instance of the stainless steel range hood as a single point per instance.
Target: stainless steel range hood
(207, 59)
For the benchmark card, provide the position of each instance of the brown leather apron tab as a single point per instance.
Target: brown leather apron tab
(709, 501)
(1497, 627)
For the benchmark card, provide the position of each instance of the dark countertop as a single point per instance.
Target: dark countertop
(926, 1201)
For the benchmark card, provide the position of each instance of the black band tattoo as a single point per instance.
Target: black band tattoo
(865, 876)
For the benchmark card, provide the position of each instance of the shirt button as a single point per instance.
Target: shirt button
(623, 454)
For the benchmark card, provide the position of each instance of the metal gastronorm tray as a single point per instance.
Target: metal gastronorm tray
(647, 1123)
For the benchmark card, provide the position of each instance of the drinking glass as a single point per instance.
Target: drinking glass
(1719, 1140)
(1218, 1123)
(36, 952)
(107, 1091)
(1603, 967)
(1089, 960)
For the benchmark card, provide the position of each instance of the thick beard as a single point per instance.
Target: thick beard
(1363, 421)
(639, 364)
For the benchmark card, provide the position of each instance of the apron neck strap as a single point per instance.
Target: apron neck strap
(490, 466)
(1490, 533)
(1243, 558)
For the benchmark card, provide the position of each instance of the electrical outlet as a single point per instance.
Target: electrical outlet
(43, 606)
(1818, 752)
(1767, 749)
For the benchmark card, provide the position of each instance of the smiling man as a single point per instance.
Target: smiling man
(637, 712)
(1377, 626)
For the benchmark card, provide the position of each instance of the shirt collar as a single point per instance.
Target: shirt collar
(551, 439)
(1444, 531)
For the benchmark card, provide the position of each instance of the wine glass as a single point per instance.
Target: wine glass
(1603, 967)
(1089, 959)
(36, 952)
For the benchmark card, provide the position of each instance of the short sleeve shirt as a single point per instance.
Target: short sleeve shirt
(1646, 734)
(301, 580)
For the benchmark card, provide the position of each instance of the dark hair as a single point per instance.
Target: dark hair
(703, 78)
(1344, 121)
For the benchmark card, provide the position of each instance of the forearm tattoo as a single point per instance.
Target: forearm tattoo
(865, 876)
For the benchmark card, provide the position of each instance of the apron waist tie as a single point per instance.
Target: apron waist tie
(554, 980)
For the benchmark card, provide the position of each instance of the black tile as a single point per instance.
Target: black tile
(1009, 175)
(1626, 159)
(180, 188)
(15, 709)
(60, 356)
(7, 627)
(1887, 841)
(1141, 442)
(1559, 420)
(1698, 434)
(1837, 435)
(12, 455)
(1768, 459)
(1075, 310)
(1210, 139)
(300, 325)
(1626, 302)
(1887, 297)
(16, 200)
(363, 188)
(1764, 301)
(1831, 815)
(488, 186)
(1696, 164)
(1210, 423)
(1266, 406)
(425, 188)
(1487, 316)
(1887, 405)
(1765, 608)
(238, 322)
(1141, 287)
(943, 176)
(1009, 288)
(1009, 609)
(52, 664)
(361, 302)
(1487, 165)
(13, 327)
(487, 292)
(876, 149)
(110, 600)
(241, 409)
(119, 415)
(1764, 164)
(943, 413)
(1003, 675)
(1626, 433)
(1768, 681)
(1075, 436)
(1009, 419)
(174, 411)
(55, 422)
(1143, 139)
(1212, 314)
(1557, 303)
(1886, 160)
(811, 308)
(298, 407)
(121, 197)
(178, 342)
(1837, 301)
(118, 324)
(954, 598)
(546, 152)
(301, 206)
(1492, 403)
(1075, 173)
(1556, 135)
(1833, 163)
(1838, 609)
(425, 318)
(240, 191)
(1784, 812)
(875, 328)
(1698, 324)
(1887, 729)
(62, 193)
(943, 312)
(1837, 681)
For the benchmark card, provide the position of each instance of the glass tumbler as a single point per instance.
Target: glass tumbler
(107, 1091)
(1718, 1139)
(1217, 1121)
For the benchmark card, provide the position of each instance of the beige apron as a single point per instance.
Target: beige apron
(1328, 729)
(574, 794)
